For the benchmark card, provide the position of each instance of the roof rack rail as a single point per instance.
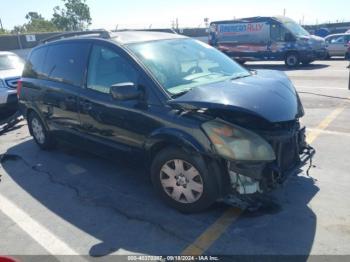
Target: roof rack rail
(100, 33)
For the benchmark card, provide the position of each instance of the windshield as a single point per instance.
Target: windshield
(10, 62)
(296, 29)
(182, 64)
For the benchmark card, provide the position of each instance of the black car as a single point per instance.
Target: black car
(210, 129)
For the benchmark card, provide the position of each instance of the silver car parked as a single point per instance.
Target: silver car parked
(11, 67)
(337, 44)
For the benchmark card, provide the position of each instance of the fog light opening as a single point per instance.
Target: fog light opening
(243, 184)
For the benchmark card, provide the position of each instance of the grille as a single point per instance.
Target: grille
(12, 82)
(286, 153)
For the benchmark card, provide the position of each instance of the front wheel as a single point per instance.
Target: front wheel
(292, 60)
(183, 180)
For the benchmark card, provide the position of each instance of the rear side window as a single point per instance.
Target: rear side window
(67, 62)
(34, 65)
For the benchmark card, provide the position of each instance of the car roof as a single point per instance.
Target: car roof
(339, 34)
(253, 19)
(119, 37)
(6, 53)
(128, 37)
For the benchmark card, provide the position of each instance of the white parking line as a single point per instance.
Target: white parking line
(321, 87)
(330, 132)
(39, 233)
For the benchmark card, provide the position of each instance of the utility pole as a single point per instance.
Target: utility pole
(284, 12)
(1, 27)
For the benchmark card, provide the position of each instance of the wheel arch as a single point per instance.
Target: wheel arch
(31, 110)
(170, 137)
(291, 51)
(176, 138)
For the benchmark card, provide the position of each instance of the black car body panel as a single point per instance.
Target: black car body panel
(268, 94)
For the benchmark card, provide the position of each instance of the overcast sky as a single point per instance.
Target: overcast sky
(160, 13)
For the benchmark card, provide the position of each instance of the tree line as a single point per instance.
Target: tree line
(73, 16)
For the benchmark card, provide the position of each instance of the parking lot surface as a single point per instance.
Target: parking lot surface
(71, 202)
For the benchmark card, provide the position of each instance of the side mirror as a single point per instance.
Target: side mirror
(125, 91)
(288, 37)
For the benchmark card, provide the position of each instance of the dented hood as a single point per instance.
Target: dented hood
(268, 94)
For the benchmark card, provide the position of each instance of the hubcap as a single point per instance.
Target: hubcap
(181, 181)
(38, 131)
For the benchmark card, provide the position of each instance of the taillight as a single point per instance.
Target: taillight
(19, 87)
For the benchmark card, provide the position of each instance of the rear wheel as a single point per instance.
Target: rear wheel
(292, 59)
(39, 132)
(183, 180)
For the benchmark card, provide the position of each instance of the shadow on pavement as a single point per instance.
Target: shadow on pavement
(113, 201)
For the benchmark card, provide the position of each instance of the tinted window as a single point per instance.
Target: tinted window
(66, 62)
(34, 66)
(107, 67)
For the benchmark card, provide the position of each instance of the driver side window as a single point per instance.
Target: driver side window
(107, 67)
(338, 40)
(277, 33)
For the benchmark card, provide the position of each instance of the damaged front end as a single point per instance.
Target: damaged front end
(259, 161)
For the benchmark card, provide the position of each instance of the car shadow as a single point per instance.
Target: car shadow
(282, 67)
(111, 198)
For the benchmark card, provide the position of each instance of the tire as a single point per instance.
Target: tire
(241, 62)
(189, 191)
(292, 59)
(40, 133)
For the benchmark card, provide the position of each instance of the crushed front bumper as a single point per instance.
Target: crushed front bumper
(292, 153)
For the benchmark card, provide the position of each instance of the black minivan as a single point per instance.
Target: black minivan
(210, 129)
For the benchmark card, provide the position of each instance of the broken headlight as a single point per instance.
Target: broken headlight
(236, 143)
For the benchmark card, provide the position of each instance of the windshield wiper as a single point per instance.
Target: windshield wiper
(241, 76)
(180, 93)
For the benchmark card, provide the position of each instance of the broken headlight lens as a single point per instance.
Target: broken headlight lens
(236, 143)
